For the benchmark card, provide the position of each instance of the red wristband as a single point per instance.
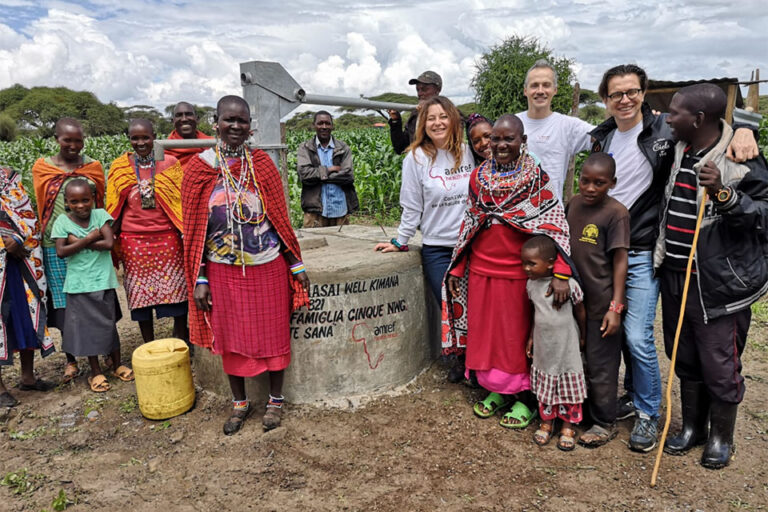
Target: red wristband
(616, 308)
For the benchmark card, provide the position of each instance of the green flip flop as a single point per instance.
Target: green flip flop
(493, 402)
(519, 412)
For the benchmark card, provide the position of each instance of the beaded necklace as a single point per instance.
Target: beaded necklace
(236, 191)
(146, 187)
(505, 181)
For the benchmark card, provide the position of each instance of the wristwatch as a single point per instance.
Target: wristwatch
(723, 195)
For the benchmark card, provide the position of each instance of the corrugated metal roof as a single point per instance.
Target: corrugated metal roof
(660, 92)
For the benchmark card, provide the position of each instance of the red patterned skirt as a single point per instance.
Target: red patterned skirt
(251, 313)
(498, 324)
(154, 268)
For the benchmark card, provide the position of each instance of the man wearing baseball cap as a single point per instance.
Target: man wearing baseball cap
(427, 84)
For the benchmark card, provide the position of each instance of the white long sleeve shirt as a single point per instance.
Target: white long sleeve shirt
(433, 197)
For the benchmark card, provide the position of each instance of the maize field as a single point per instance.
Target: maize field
(377, 167)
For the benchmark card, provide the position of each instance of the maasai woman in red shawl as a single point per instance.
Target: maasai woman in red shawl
(22, 286)
(144, 198)
(185, 127)
(241, 260)
(50, 175)
(486, 305)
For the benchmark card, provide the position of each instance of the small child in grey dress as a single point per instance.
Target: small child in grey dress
(557, 373)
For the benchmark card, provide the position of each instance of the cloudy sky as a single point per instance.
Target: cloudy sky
(159, 52)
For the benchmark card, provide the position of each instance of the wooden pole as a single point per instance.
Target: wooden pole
(673, 359)
(731, 103)
(753, 92)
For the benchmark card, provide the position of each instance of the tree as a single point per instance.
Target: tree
(41, 107)
(300, 121)
(104, 120)
(500, 76)
(593, 114)
(163, 125)
(589, 97)
(11, 95)
(7, 128)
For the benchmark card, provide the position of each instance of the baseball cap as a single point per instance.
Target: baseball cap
(427, 77)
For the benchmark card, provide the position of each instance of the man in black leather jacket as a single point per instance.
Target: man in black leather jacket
(729, 269)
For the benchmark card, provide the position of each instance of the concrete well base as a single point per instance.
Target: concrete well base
(372, 325)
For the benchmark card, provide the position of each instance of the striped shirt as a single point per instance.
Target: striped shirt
(681, 214)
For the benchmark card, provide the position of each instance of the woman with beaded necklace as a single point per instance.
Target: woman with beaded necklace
(510, 199)
(144, 198)
(241, 260)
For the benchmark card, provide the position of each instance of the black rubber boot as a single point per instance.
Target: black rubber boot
(722, 418)
(695, 408)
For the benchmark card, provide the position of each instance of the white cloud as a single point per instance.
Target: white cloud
(161, 52)
(9, 38)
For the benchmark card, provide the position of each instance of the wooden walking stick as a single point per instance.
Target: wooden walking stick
(673, 359)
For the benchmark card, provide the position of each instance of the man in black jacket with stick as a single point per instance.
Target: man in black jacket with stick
(729, 270)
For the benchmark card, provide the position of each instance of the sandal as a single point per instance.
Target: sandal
(235, 422)
(71, 371)
(488, 407)
(521, 414)
(38, 385)
(597, 436)
(123, 373)
(543, 434)
(566, 441)
(98, 383)
(7, 400)
(273, 416)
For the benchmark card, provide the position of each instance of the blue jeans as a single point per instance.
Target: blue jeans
(435, 260)
(642, 296)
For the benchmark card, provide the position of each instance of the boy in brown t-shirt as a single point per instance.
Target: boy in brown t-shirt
(599, 243)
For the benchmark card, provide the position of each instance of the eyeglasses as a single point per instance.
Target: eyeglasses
(631, 94)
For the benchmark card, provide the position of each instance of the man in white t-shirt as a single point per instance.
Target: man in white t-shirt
(553, 137)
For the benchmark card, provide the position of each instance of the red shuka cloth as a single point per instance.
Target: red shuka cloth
(184, 155)
(251, 314)
(197, 185)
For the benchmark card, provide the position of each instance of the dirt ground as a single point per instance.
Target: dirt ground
(423, 450)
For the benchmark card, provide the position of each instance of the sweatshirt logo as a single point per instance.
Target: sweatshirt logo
(449, 178)
(589, 234)
(661, 146)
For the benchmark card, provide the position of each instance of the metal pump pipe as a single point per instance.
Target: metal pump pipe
(162, 145)
(340, 101)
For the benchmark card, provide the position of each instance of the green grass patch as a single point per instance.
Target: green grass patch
(128, 405)
(21, 482)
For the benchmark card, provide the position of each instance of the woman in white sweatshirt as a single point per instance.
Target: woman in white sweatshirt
(433, 194)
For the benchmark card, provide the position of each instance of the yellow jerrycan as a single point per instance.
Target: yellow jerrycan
(164, 384)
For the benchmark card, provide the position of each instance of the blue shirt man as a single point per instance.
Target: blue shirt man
(324, 164)
(334, 200)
